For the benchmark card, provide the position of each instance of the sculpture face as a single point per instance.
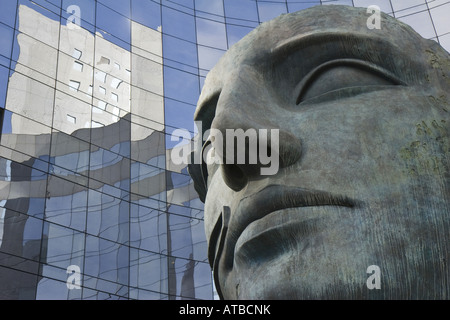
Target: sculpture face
(364, 151)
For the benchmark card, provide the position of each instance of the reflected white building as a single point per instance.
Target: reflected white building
(87, 168)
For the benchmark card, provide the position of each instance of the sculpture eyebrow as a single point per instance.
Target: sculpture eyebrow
(296, 43)
(373, 49)
(307, 39)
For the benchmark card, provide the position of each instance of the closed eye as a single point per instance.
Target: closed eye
(343, 78)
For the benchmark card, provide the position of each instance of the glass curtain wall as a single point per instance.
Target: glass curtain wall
(91, 204)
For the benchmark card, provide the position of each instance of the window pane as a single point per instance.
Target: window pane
(184, 3)
(110, 168)
(149, 147)
(180, 54)
(51, 289)
(182, 86)
(117, 26)
(192, 279)
(4, 74)
(236, 33)
(67, 74)
(142, 68)
(36, 102)
(69, 157)
(178, 24)
(66, 203)
(36, 59)
(108, 217)
(51, 5)
(148, 271)
(17, 284)
(268, 11)
(147, 180)
(421, 23)
(86, 13)
(178, 115)
(211, 33)
(114, 137)
(147, 12)
(23, 188)
(385, 5)
(402, 5)
(32, 15)
(241, 9)
(180, 234)
(440, 17)
(63, 247)
(296, 6)
(210, 6)
(186, 211)
(21, 241)
(146, 42)
(203, 281)
(183, 195)
(148, 112)
(6, 39)
(208, 57)
(8, 12)
(106, 260)
(25, 135)
(148, 229)
(68, 106)
(445, 41)
(122, 6)
(338, 2)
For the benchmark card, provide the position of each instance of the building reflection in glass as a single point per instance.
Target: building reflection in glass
(83, 171)
(87, 110)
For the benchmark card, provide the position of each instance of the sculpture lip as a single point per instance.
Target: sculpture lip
(274, 198)
(277, 197)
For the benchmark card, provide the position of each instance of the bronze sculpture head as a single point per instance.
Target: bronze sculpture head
(363, 118)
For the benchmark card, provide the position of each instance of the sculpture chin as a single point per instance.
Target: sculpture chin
(281, 255)
(324, 253)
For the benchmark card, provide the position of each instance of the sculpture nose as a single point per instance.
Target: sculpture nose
(252, 148)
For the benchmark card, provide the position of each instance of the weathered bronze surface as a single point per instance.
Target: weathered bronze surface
(364, 120)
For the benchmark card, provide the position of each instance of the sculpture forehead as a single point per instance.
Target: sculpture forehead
(260, 42)
(426, 58)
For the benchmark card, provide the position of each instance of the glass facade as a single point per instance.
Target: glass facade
(91, 205)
